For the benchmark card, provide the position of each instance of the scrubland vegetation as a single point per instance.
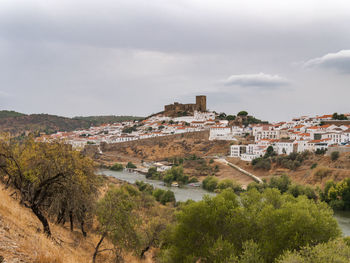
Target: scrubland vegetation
(277, 221)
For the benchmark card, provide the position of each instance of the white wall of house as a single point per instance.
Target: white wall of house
(221, 133)
(284, 147)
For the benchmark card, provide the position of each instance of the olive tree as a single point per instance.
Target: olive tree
(49, 177)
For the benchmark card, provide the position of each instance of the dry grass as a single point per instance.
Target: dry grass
(21, 238)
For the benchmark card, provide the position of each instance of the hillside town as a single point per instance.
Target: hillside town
(249, 140)
(320, 133)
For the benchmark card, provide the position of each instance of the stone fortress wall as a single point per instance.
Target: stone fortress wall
(200, 105)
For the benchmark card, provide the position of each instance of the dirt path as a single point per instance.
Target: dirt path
(254, 177)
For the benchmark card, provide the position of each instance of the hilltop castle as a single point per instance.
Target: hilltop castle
(178, 108)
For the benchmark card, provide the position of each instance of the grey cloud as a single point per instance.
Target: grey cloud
(339, 61)
(4, 94)
(132, 57)
(256, 80)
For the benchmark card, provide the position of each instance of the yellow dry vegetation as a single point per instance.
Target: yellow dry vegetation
(21, 238)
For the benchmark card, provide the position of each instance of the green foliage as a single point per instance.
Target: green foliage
(251, 253)
(337, 195)
(160, 195)
(118, 220)
(333, 251)
(152, 173)
(281, 183)
(51, 178)
(229, 184)
(193, 180)
(129, 129)
(313, 166)
(211, 161)
(337, 116)
(291, 161)
(164, 196)
(296, 190)
(210, 183)
(230, 117)
(320, 151)
(262, 163)
(175, 174)
(131, 165)
(334, 156)
(222, 116)
(242, 113)
(270, 152)
(257, 186)
(144, 187)
(117, 167)
(7, 114)
(215, 229)
(284, 185)
(99, 120)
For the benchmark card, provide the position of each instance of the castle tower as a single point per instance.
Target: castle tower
(201, 103)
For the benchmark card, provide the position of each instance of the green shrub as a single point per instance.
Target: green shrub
(229, 184)
(117, 167)
(164, 196)
(167, 196)
(210, 183)
(131, 165)
(153, 174)
(320, 151)
(281, 183)
(193, 180)
(297, 190)
(262, 163)
(313, 166)
(333, 251)
(144, 187)
(175, 174)
(334, 156)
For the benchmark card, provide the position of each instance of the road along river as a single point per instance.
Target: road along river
(196, 193)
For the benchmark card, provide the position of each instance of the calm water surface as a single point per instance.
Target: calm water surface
(197, 193)
(181, 194)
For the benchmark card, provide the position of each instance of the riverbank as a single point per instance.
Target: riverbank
(181, 194)
(197, 194)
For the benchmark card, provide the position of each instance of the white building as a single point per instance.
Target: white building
(221, 133)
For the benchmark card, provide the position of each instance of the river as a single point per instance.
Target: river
(181, 194)
(197, 193)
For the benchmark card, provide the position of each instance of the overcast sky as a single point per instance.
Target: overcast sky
(276, 59)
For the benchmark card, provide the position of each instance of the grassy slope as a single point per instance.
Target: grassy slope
(21, 238)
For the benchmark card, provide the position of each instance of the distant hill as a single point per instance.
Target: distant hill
(7, 113)
(98, 120)
(20, 124)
